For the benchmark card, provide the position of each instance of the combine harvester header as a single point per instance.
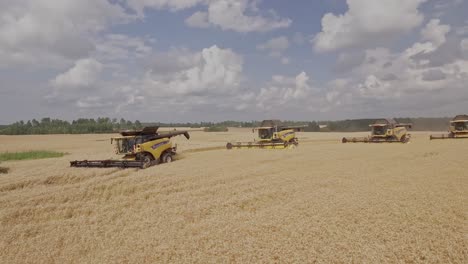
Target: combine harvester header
(458, 128)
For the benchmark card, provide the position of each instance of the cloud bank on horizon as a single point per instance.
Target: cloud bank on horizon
(193, 60)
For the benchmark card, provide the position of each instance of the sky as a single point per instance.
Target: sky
(214, 60)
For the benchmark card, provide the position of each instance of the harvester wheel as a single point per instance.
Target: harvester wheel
(294, 141)
(166, 158)
(147, 160)
(344, 140)
(229, 145)
(404, 139)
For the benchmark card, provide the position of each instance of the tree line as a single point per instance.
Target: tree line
(79, 126)
(108, 125)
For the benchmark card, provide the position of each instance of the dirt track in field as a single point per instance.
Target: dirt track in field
(321, 202)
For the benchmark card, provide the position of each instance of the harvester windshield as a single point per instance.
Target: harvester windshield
(265, 133)
(461, 126)
(125, 145)
(379, 130)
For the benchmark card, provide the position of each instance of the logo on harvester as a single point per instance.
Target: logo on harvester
(155, 146)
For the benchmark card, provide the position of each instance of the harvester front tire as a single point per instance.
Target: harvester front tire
(404, 139)
(147, 160)
(167, 158)
(229, 145)
(344, 140)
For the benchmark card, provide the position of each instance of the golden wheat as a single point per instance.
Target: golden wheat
(321, 202)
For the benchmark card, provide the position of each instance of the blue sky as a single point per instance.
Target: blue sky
(211, 60)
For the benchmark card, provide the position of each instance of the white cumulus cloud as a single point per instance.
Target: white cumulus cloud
(213, 70)
(275, 46)
(237, 15)
(283, 90)
(367, 22)
(198, 20)
(34, 31)
(84, 73)
(435, 32)
(140, 5)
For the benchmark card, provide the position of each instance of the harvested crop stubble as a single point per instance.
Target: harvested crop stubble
(322, 202)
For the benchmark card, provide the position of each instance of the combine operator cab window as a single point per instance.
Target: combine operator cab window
(379, 130)
(460, 126)
(125, 145)
(265, 133)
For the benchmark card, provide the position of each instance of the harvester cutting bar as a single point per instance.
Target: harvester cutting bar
(442, 136)
(355, 139)
(269, 145)
(446, 136)
(371, 140)
(107, 163)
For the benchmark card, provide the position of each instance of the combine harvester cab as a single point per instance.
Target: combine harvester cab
(384, 131)
(141, 149)
(458, 128)
(271, 135)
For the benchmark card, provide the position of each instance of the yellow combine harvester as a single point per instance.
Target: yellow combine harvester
(458, 128)
(272, 135)
(384, 130)
(141, 149)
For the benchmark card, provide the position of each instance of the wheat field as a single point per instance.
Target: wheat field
(323, 202)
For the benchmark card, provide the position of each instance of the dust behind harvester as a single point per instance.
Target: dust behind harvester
(384, 131)
(272, 134)
(458, 128)
(141, 149)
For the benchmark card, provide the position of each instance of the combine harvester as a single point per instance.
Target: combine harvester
(272, 135)
(458, 128)
(384, 130)
(141, 149)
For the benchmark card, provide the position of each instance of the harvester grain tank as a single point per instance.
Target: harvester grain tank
(272, 134)
(141, 149)
(384, 130)
(458, 128)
